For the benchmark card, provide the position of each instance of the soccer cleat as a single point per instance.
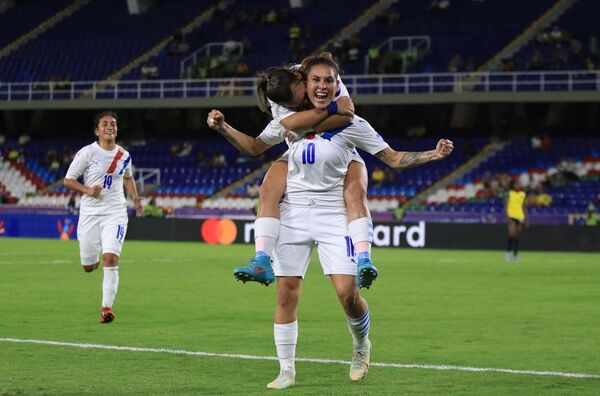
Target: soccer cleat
(366, 273)
(507, 257)
(285, 380)
(106, 316)
(258, 270)
(360, 362)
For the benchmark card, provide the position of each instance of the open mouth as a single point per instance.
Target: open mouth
(321, 95)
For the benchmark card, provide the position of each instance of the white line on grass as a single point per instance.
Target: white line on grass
(310, 360)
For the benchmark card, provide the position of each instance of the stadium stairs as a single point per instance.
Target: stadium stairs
(42, 27)
(197, 22)
(545, 20)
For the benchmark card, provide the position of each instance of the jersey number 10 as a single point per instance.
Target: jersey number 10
(308, 154)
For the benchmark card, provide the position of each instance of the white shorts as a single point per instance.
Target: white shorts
(303, 227)
(100, 234)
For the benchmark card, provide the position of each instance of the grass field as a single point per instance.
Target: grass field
(429, 308)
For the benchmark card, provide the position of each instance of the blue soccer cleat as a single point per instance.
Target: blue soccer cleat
(366, 273)
(258, 270)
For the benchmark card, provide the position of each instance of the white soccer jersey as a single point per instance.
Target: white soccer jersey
(317, 165)
(273, 133)
(104, 168)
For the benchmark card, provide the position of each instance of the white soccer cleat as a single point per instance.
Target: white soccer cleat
(360, 362)
(285, 380)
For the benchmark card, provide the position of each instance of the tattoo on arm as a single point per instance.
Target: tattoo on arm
(406, 159)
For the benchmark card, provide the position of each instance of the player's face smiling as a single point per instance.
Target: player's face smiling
(321, 85)
(106, 130)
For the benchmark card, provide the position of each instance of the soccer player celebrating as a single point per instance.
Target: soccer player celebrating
(314, 195)
(105, 167)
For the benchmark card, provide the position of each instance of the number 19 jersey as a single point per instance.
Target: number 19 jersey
(107, 169)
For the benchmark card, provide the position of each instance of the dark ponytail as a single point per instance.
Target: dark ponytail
(275, 84)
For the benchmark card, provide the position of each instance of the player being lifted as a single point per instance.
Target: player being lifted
(282, 94)
(105, 167)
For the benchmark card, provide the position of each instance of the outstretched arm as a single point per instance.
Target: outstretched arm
(245, 143)
(407, 159)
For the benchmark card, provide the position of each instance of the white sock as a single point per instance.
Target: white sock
(266, 232)
(361, 233)
(110, 285)
(359, 328)
(286, 338)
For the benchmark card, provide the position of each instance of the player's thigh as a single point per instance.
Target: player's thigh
(114, 229)
(294, 245)
(335, 248)
(90, 239)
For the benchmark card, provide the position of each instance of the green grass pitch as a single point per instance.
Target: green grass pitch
(428, 307)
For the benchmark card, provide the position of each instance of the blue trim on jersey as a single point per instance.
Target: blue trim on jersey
(332, 132)
(338, 92)
(125, 163)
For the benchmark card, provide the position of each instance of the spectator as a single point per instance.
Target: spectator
(294, 32)
(591, 217)
(202, 160)
(377, 176)
(456, 64)
(271, 17)
(231, 47)
(152, 210)
(218, 160)
(149, 71)
(536, 62)
(178, 45)
(373, 55)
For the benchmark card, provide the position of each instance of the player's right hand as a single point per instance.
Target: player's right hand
(345, 106)
(94, 190)
(215, 119)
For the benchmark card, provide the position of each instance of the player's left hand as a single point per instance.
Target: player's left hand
(443, 148)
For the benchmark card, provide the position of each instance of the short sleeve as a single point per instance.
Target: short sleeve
(362, 135)
(80, 162)
(272, 134)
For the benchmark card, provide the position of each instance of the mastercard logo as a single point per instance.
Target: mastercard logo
(218, 231)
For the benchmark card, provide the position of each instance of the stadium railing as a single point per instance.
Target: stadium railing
(425, 83)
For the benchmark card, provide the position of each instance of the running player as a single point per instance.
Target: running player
(105, 167)
(314, 195)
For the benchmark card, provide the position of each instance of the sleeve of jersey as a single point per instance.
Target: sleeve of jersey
(272, 134)
(80, 162)
(342, 90)
(363, 136)
(128, 170)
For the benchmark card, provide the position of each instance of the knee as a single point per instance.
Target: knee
(349, 301)
(110, 260)
(89, 268)
(287, 300)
